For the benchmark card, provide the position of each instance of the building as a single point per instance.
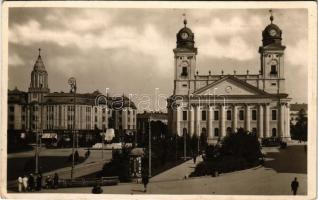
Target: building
(218, 104)
(295, 109)
(38, 110)
(144, 118)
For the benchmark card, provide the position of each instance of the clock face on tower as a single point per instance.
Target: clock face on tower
(184, 35)
(272, 32)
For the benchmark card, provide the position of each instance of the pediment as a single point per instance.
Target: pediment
(229, 86)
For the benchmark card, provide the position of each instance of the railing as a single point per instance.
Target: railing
(86, 182)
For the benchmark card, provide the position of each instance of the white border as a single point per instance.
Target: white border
(312, 89)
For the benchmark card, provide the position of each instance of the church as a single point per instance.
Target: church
(219, 104)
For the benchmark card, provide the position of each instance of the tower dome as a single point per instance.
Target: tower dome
(185, 37)
(39, 65)
(272, 34)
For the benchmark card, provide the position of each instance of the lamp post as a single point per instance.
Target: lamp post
(72, 83)
(37, 142)
(149, 148)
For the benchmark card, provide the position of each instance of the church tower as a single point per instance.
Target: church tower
(184, 61)
(39, 81)
(272, 59)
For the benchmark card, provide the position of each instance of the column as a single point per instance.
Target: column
(281, 121)
(210, 134)
(197, 120)
(234, 126)
(287, 119)
(222, 120)
(178, 121)
(266, 122)
(260, 122)
(247, 118)
(191, 121)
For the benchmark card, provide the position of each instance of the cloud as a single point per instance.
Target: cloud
(227, 38)
(297, 54)
(15, 60)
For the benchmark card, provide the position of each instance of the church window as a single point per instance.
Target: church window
(254, 115)
(273, 70)
(203, 115)
(184, 71)
(184, 115)
(274, 132)
(241, 115)
(34, 95)
(216, 115)
(274, 114)
(216, 132)
(228, 115)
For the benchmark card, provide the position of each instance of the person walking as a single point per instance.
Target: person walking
(25, 181)
(20, 184)
(194, 158)
(294, 186)
(145, 181)
(39, 182)
(56, 181)
(31, 182)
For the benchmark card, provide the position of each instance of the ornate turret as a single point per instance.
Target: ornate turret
(185, 37)
(39, 80)
(272, 34)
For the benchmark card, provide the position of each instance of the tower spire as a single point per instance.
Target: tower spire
(271, 17)
(39, 51)
(184, 19)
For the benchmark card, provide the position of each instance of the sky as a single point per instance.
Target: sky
(129, 50)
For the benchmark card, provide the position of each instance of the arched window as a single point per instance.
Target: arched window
(203, 131)
(274, 132)
(184, 71)
(216, 132)
(273, 68)
(184, 131)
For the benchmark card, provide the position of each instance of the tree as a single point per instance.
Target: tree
(299, 130)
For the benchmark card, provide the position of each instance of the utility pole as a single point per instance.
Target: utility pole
(72, 83)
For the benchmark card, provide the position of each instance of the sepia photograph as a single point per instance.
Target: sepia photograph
(137, 99)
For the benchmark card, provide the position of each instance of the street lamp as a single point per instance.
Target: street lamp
(149, 148)
(72, 83)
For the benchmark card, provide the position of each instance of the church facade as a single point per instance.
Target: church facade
(219, 104)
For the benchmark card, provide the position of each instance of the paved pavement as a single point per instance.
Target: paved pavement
(93, 163)
(272, 179)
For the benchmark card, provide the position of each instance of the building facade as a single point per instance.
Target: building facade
(39, 111)
(218, 104)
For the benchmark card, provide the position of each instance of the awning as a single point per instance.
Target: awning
(49, 135)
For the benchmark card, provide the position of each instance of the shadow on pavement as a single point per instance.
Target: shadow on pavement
(16, 166)
(293, 159)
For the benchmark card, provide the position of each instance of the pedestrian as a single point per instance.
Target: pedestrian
(294, 186)
(31, 182)
(56, 181)
(20, 184)
(39, 182)
(194, 159)
(97, 189)
(25, 181)
(145, 180)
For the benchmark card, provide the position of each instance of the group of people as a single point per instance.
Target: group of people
(34, 182)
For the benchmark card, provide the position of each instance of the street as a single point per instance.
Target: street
(272, 179)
